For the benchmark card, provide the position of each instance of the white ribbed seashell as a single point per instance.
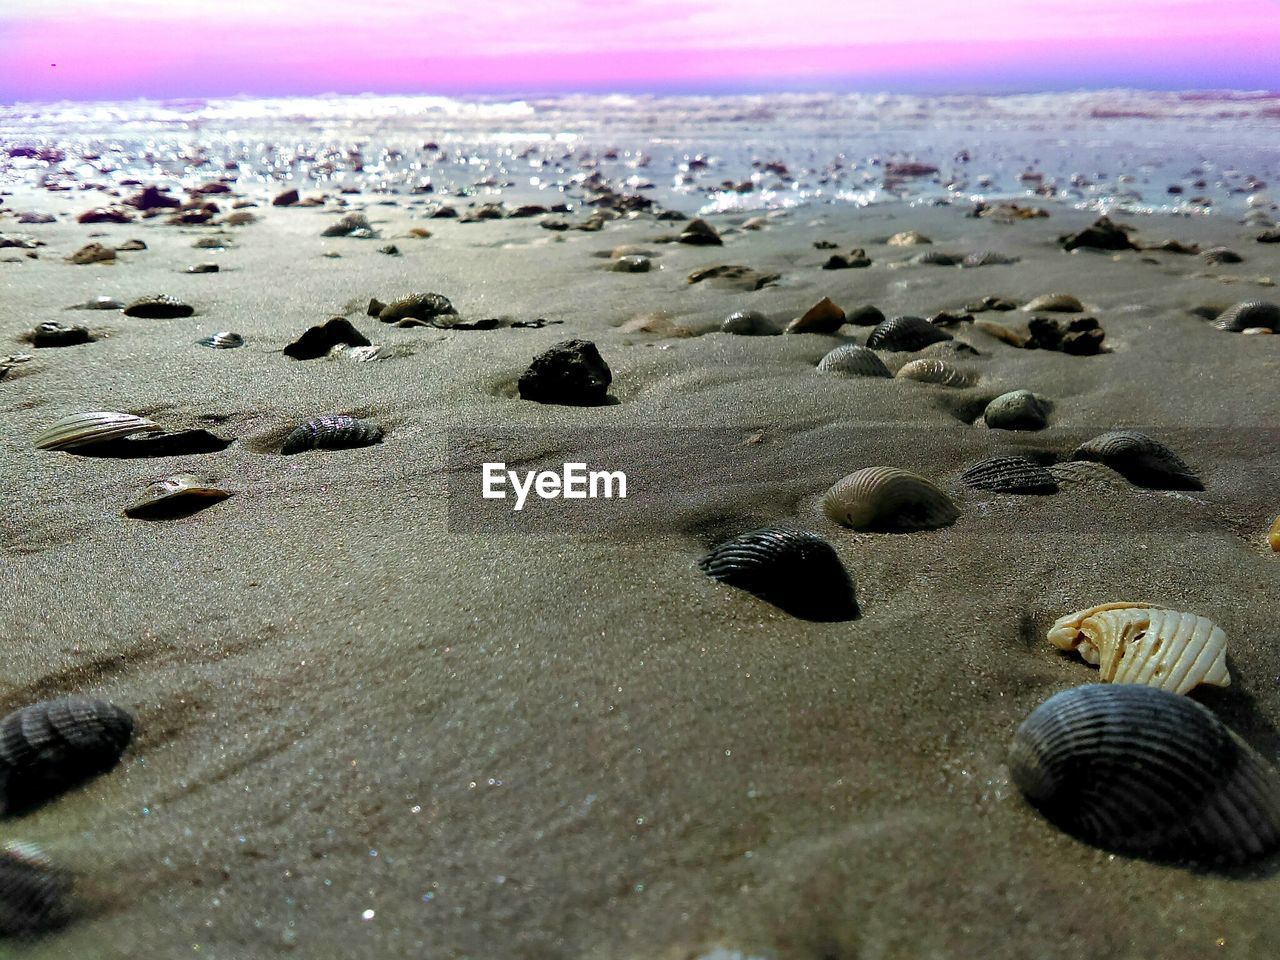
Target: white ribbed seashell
(84, 429)
(886, 498)
(1152, 646)
(930, 370)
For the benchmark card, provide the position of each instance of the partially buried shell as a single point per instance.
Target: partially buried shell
(1139, 643)
(34, 894)
(1086, 474)
(332, 433)
(852, 360)
(905, 334)
(1144, 771)
(52, 746)
(86, 429)
(1010, 474)
(1016, 410)
(1251, 313)
(796, 571)
(1141, 459)
(158, 307)
(222, 340)
(937, 372)
(886, 498)
(173, 496)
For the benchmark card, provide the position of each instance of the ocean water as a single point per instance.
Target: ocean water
(1195, 153)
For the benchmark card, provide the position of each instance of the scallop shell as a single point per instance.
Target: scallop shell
(796, 571)
(905, 334)
(1139, 643)
(1140, 770)
(852, 360)
(937, 372)
(886, 498)
(52, 746)
(86, 429)
(1251, 313)
(158, 307)
(1141, 459)
(34, 894)
(332, 433)
(173, 495)
(222, 340)
(1016, 410)
(1010, 474)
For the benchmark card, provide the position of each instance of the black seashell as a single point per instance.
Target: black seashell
(222, 340)
(34, 894)
(905, 334)
(317, 341)
(332, 433)
(1141, 459)
(1009, 474)
(749, 323)
(158, 307)
(1140, 770)
(1251, 313)
(796, 571)
(52, 746)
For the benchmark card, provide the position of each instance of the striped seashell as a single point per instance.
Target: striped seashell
(34, 894)
(936, 258)
(796, 571)
(1016, 410)
(1140, 643)
(158, 307)
(173, 496)
(52, 746)
(938, 372)
(749, 323)
(1010, 474)
(988, 258)
(1251, 313)
(332, 433)
(87, 429)
(222, 340)
(1054, 303)
(886, 498)
(1217, 255)
(1141, 459)
(852, 360)
(905, 334)
(1144, 771)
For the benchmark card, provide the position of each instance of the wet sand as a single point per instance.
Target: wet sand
(377, 722)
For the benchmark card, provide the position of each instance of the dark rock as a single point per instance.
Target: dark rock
(1270, 236)
(700, 233)
(131, 245)
(1081, 336)
(317, 341)
(286, 199)
(152, 198)
(105, 215)
(571, 372)
(838, 261)
(158, 307)
(1101, 235)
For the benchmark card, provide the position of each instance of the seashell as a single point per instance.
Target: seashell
(1054, 303)
(998, 330)
(339, 432)
(1085, 473)
(990, 303)
(87, 429)
(319, 340)
(935, 258)
(823, 317)
(866, 315)
(1140, 643)
(34, 894)
(173, 496)
(1140, 770)
(222, 340)
(886, 498)
(796, 571)
(51, 333)
(988, 258)
(1216, 255)
(418, 309)
(100, 303)
(353, 224)
(52, 746)
(1016, 410)
(631, 264)
(749, 323)
(938, 372)
(1141, 459)
(92, 253)
(213, 243)
(852, 360)
(1273, 536)
(699, 233)
(1010, 474)
(203, 268)
(158, 307)
(908, 238)
(1251, 313)
(905, 334)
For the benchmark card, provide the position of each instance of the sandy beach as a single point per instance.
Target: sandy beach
(379, 716)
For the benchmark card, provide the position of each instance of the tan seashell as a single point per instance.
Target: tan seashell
(823, 317)
(887, 498)
(908, 238)
(1001, 332)
(1143, 644)
(83, 429)
(1273, 537)
(937, 372)
(1054, 303)
(175, 495)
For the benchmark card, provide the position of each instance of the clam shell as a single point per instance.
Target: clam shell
(332, 433)
(158, 307)
(796, 571)
(905, 334)
(1054, 303)
(886, 498)
(222, 340)
(1141, 770)
(1139, 643)
(419, 307)
(1010, 474)
(749, 323)
(1141, 459)
(86, 429)
(1085, 473)
(52, 746)
(1251, 313)
(172, 495)
(988, 258)
(938, 372)
(852, 360)
(936, 258)
(34, 894)
(1016, 410)
(1216, 255)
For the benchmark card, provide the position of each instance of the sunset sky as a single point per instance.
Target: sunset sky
(90, 49)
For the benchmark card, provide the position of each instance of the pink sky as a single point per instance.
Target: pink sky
(88, 49)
